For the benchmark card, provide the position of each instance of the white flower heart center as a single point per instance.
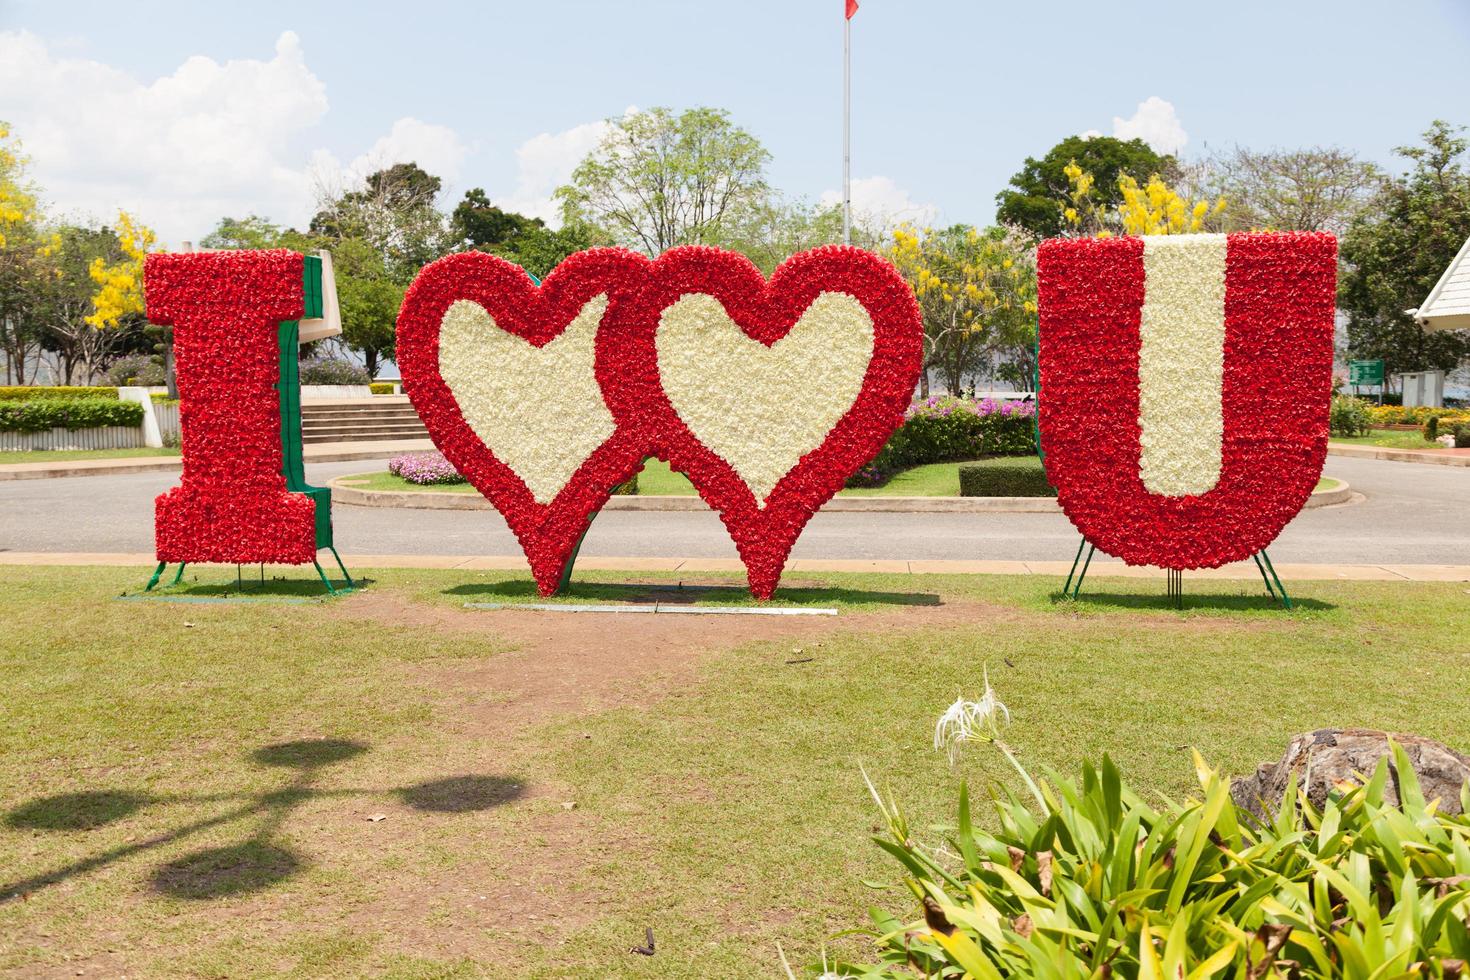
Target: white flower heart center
(538, 409)
(761, 409)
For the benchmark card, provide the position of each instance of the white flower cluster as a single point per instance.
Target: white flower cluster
(539, 410)
(1181, 363)
(759, 408)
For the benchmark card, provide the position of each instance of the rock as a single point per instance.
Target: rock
(1328, 756)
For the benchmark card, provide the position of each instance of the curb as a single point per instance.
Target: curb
(346, 493)
(1397, 455)
(118, 467)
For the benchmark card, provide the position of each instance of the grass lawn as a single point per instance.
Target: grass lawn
(1389, 439)
(657, 480)
(67, 455)
(388, 784)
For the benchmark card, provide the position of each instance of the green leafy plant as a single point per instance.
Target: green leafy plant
(1088, 880)
(1005, 478)
(1462, 437)
(382, 387)
(1431, 428)
(1350, 417)
(38, 415)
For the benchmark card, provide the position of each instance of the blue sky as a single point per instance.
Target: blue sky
(184, 111)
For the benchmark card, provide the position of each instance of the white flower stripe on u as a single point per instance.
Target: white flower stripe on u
(1181, 364)
(539, 410)
(761, 409)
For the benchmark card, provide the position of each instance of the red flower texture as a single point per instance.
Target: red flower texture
(231, 505)
(1274, 392)
(547, 531)
(628, 366)
(644, 421)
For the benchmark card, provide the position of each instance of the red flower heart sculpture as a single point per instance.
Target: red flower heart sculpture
(768, 396)
(454, 308)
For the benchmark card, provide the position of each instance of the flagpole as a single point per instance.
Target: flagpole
(846, 128)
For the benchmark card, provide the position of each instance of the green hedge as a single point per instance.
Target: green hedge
(21, 393)
(382, 387)
(67, 413)
(1005, 478)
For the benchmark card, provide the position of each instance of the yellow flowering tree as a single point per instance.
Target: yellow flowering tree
(1153, 208)
(24, 247)
(119, 279)
(977, 292)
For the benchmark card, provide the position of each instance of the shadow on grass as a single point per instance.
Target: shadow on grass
(677, 593)
(302, 585)
(257, 862)
(1200, 601)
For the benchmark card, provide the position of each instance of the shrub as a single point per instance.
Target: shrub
(1089, 880)
(1005, 478)
(136, 369)
(1350, 417)
(1462, 437)
(333, 371)
(425, 469)
(382, 387)
(1431, 428)
(21, 393)
(432, 469)
(38, 415)
(944, 428)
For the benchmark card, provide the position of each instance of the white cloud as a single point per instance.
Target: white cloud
(437, 149)
(1154, 122)
(209, 140)
(880, 203)
(545, 162)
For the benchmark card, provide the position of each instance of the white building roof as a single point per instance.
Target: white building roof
(1448, 304)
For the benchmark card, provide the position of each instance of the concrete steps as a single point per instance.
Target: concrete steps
(380, 419)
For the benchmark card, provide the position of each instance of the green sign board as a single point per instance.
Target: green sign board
(1365, 372)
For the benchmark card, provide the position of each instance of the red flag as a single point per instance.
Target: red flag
(851, 8)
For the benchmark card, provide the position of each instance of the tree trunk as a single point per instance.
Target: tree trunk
(370, 361)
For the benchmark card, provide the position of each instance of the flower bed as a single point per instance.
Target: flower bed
(946, 428)
(425, 469)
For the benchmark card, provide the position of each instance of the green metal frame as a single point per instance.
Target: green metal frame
(1263, 563)
(1175, 585)
(293, 467)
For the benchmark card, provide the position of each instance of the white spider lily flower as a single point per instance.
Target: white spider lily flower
(971, 721)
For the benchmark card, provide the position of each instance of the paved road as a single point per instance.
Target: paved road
(1413, 513)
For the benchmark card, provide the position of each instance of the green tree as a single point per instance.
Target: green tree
(1039, 191)
(251, 231)
(658, 180)
(24, 248)
(481, 225)
(977, 293)
(369, 300)
(1319, 188)
(394, 212)
(1395, 251)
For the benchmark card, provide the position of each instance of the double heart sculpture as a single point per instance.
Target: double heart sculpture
(767, 395)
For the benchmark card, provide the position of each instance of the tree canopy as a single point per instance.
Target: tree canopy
(1395, 251)
(658, 179)
(1038, 192)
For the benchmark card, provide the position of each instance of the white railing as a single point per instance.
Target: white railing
(104, 437)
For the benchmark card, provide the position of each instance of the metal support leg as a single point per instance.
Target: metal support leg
(350, 584)
(1281, 589)
(566, 571)
(179, 576)
(1176, 586)
(325, 581)
(1091, 550)
(1270, 589)
(1066, 587)
(156, 573)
